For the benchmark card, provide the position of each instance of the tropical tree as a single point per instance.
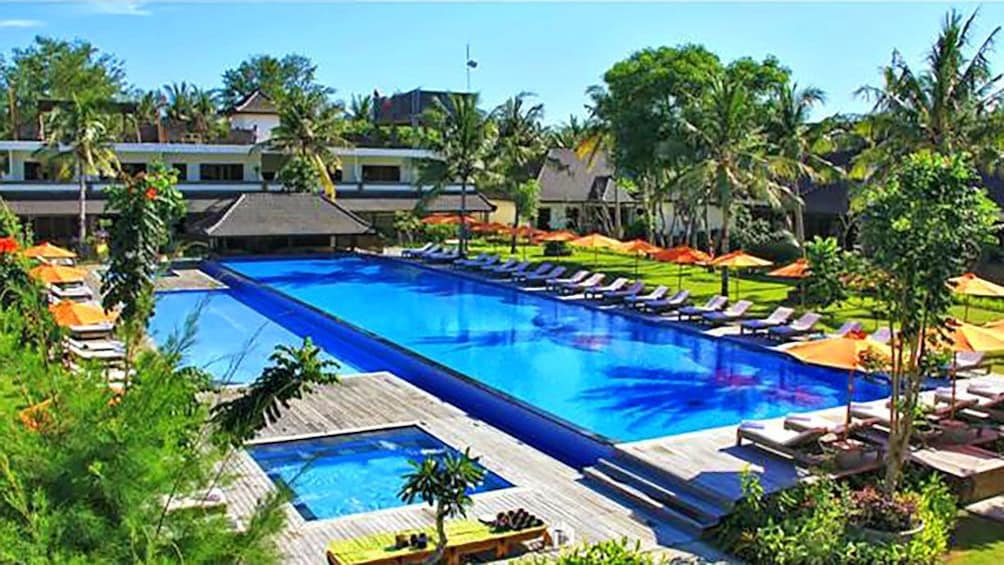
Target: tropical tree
(443, 483)
(952, 104)
(735, 161)
(272, 76)
(803, 144)
(310, 127)
(570, 134)
(149, 106)
(461, 137)
(78, 140)
(361, 108)
(520, 147)
(56, 70)
(923, 226)
(147, 206)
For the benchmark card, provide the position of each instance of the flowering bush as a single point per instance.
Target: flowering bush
(874, 509)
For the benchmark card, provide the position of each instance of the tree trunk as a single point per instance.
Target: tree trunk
(82, 231)
(724, 245)
(463, 217)
(800, 224)
(437, 555)
(515, 229)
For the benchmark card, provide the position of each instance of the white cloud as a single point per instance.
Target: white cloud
(20, 23)
(120, 7)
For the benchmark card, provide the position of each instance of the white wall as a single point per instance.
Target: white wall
(262, 123)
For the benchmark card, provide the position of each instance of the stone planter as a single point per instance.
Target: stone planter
(848, 458)
(881, 536)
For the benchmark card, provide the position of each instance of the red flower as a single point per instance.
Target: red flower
(151, 193)
(8, 245)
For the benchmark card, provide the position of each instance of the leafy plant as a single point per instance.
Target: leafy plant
(299, 174)
(877, 510)
(443, 483)
(406, 225)
(824, 284)
(923, 227)
(147, 206)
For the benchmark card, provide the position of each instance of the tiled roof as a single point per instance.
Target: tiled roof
(566, 178)
(255, 214)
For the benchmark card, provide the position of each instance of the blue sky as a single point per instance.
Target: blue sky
(555, 50)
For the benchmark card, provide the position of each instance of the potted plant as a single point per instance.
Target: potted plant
(883, 518)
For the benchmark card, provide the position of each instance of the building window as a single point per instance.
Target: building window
(544, 219)
(336, 175)
(33, 171)
(133, 168)
(381, 173)
(572, 216)
(221, 172)
(182, 170)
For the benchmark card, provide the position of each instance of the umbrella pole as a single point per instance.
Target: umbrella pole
(955, 358)
(850, 400)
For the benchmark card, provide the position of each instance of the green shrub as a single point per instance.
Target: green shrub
(825, 286)
(612, 552)
(812, 523)
(557, 249)
(438, 233)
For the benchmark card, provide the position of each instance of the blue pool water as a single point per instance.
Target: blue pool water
(348, 474)
(618, 377)
(232, 341)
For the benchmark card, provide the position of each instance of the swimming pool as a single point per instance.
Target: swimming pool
(232, 340)
(614, 376)
(338, 475)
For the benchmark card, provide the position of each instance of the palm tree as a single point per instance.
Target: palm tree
(78, 140)
(953, 104)
(735, 161)
(148, 111)
(309, 128)
(802, 143)
(361, 108)
(460, 136)
(521, 145)
(443, 483)
(570, 134)
(180, 101)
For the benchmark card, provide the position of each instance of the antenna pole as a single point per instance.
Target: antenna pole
(467, 66)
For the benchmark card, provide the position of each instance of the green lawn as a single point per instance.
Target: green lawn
(766, 294)
(977, 541)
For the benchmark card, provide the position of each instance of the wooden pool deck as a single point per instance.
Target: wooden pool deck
(544, 486)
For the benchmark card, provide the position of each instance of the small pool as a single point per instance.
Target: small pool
(346, 474)
(232, 341)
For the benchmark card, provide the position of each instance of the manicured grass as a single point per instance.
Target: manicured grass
(765, 293)
(977, 541)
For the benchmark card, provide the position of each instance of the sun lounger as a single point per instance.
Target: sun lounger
(418, 251)
(881, 335)
(639, 300)
(663, 305)
(92, 331)
(714, 304)
(619, 295)
(481, 260)
(442, 257)
(778, 317)
(802, 326)
(731, 314)
(541, 269)
(509, 270)
(597, 291)
(967, 362)
(596, 279)
(74, 292)
(557, 283)
(544, 279)
(846, 329)
(96, 344)
(503, 265)
(779, 439)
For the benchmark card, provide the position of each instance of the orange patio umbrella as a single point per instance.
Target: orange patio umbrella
(490, 227)
(46, 250)
(962, 336)
(69, 313)
(971, 285)
(50, 274)
(739, 260)
(449, 220)
(797, 270)
(682, 255)
(638, 247)
(995, 325)
(560, 235)
(845, 352)
(596, 241)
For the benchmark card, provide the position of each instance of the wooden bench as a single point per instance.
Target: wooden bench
(464, 537)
